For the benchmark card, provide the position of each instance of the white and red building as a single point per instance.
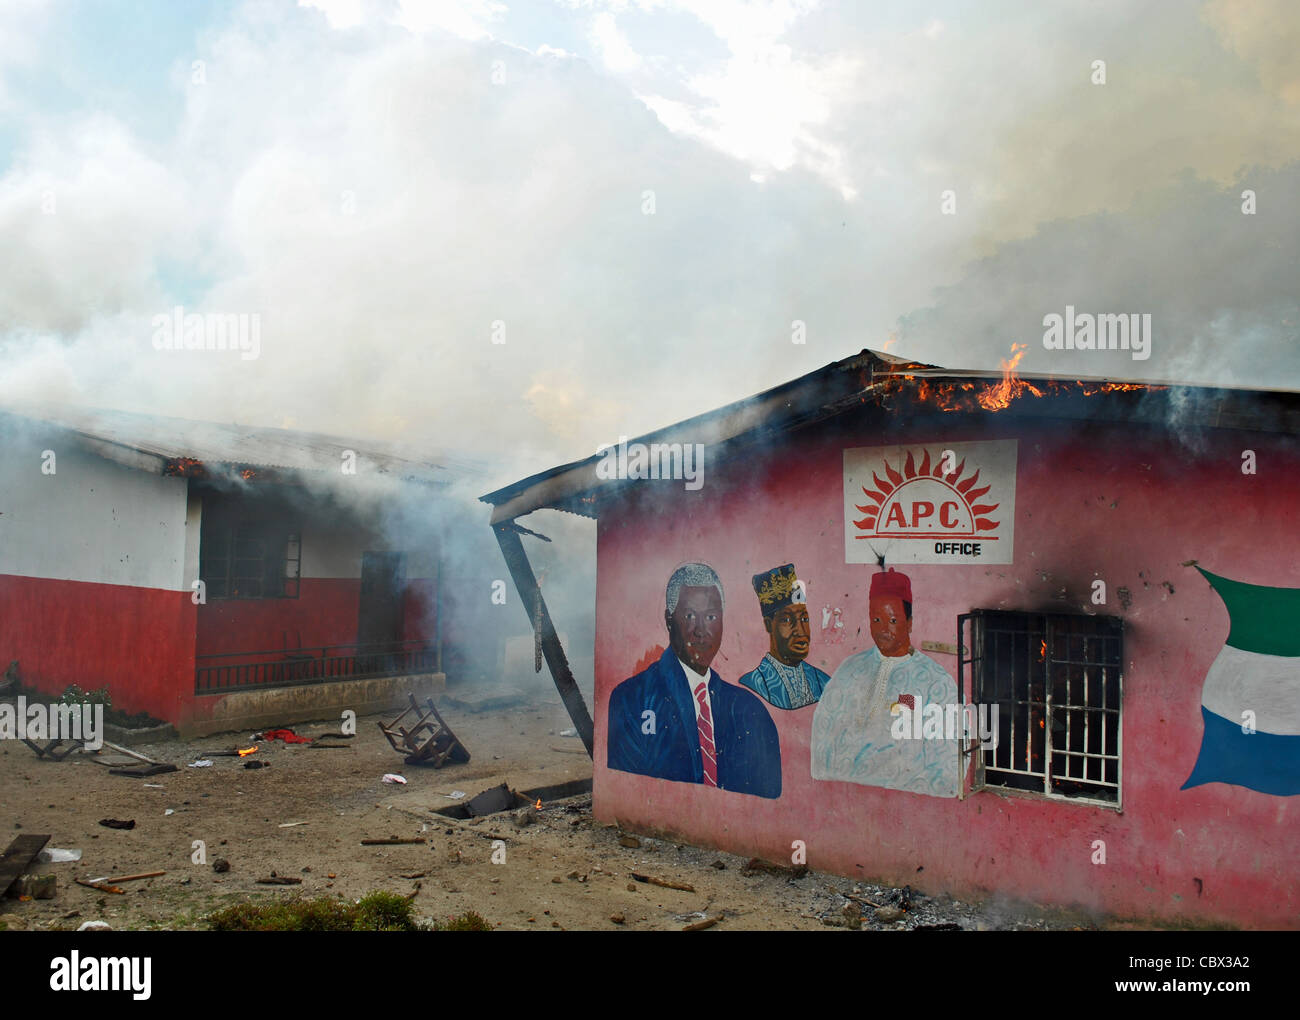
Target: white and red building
(217, 576)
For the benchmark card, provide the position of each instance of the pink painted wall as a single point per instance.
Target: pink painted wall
(1125, 505)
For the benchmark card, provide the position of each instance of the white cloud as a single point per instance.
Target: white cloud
(467, 19)
(611, 44)
(380, 201)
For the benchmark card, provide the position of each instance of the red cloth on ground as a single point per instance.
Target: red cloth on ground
(288, 736)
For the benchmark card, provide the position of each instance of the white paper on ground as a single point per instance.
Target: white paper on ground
(53, 855)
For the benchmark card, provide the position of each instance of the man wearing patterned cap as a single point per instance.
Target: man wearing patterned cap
(677, 720)
(782, 678)
(852, 738)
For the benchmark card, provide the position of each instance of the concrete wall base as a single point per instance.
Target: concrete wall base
(251, 710)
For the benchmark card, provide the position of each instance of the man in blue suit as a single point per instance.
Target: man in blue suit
(677, 720)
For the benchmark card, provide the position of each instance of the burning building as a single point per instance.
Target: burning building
(980, 634)
(215, 576)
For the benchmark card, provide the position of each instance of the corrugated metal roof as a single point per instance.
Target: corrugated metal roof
(153, 442)
(871, 378)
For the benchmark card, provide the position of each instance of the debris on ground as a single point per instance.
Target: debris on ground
(757, 864)
(147, 766)
(336, 795)
(53, 855)
(36, 887)
(391, 777)
(662, 882)
(103, 885)
(15, 860)
(111, 760)
(489, 802)
(117, 823)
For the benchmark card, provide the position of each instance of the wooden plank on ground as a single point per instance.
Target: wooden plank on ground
(14, 861)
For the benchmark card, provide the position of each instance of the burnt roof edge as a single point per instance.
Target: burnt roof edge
(823, 393)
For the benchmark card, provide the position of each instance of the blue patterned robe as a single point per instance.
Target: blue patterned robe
(766, 682)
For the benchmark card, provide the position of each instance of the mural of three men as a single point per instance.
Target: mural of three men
(678, 720)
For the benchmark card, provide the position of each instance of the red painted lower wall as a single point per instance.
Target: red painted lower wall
(324, 613)
(138, 642)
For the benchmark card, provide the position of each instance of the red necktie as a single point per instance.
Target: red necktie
(708, 753)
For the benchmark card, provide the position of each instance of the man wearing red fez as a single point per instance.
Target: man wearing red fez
(853, 733)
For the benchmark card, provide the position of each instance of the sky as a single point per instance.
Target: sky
(519, 230)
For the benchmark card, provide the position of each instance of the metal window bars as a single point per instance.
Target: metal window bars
(1057, 680)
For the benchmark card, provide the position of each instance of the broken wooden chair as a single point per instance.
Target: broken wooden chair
(52, 748)
(428, 740)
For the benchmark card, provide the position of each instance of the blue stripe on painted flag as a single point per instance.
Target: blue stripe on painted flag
(1258, 761)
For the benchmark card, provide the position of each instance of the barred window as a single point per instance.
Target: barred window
(249, 559)
(1057, 683)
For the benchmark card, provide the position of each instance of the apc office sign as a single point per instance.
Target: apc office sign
(930, 503)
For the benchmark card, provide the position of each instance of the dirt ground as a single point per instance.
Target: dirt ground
(564, 871)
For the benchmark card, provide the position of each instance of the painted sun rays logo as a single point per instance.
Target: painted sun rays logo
(925, 502)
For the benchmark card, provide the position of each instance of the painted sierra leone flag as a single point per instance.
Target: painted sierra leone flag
(1258, 671)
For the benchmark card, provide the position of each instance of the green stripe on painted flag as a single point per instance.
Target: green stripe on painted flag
(1264, 620)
